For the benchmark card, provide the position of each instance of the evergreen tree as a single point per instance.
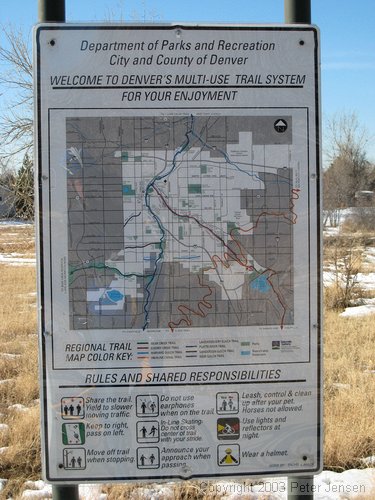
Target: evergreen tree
(23, 190)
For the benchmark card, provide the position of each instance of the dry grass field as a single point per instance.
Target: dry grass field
(349, 383)
(19, 382)
(349, 351)
(349, 379)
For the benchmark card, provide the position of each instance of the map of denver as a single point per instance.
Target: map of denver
(180, 222)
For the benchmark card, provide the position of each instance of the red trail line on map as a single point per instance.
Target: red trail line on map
(231, 255)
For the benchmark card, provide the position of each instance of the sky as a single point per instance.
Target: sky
(346, 27)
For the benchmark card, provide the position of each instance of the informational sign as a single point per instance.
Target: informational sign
(179, 250)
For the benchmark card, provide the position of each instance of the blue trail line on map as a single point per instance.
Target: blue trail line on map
(149, 187)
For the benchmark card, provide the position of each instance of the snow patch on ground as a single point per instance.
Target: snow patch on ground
(16, 260)
(339, 385)
(5, 381)
(366, 281)
(13, 222)
(18, 408)
(357, 311)
(370, 255)
(329, 278)
(38, 489)
(331, 231)
(369, 461)
(6, 355)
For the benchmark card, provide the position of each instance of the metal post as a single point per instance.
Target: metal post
(60, 492)
(300, 487)
(54, 11)
(299, 12)
(51, 11)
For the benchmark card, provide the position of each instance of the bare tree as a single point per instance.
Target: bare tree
(119, 13)
(371, 185)
(16, 121)
(346, 135)
(16, 80)
(345, 256)
(349, 168)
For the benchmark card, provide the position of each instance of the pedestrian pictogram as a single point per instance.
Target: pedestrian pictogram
(148, 431)
(148, 458)
(72, 408)
(147, 405)
(227, 402)
(74, 458)
(280, 125)
(73, 433)
(228, 428)
(228, 455)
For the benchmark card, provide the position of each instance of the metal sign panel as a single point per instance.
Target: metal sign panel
(179, 236)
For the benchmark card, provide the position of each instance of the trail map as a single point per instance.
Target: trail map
(180, 221)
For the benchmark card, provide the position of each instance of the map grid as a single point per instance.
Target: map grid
(107, 208)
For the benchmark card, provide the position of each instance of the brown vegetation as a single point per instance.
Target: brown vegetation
(19, 390)
(349, 384)
(344, 260)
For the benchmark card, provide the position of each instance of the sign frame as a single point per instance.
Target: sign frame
(53, 372)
